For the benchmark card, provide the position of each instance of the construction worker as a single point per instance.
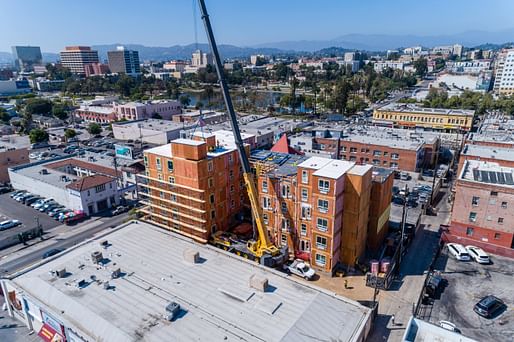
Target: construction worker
(392, 319)
(346, 283)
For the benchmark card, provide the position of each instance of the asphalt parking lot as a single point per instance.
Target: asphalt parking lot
(468, 282)
(10, 209)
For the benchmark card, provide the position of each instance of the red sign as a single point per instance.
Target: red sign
(48, 334)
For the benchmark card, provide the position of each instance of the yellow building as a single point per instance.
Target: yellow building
(402, 115)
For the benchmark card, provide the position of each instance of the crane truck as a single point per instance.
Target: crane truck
(260, 249)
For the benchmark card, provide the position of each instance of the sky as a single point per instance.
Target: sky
(53, 24)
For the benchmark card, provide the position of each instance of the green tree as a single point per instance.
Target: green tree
(125, 85)
(38, 106)
(421, 66)
(185, 100)
(94, 128)
(38, 135)
(4, 116)
(60, 111)
(70, 133)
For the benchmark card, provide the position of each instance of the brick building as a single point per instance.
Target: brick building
(501, 155)
(192, 187)
(482, 213)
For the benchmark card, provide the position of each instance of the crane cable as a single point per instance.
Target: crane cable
(195, 23)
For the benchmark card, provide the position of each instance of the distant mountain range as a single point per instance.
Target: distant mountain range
(381, 42)
(367, 42)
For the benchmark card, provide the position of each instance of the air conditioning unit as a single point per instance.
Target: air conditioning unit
(97, 257)
(61, 273)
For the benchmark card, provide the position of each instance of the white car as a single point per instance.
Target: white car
(458, 251)
(449, 326)
(9, 224)
(301, 269)
(41, 203)
(478, 254)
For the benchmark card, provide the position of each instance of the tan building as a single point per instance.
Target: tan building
(192, 187)
(319, 207)
(401, 115)
(76, 57)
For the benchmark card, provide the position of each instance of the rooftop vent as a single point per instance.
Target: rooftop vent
(43, 172)
(172, 311)
(191, 256)
(61, 273)
(97, 257)
(258, 283)
(116, 273)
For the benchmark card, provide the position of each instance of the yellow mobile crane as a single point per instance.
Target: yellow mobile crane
(261, 249)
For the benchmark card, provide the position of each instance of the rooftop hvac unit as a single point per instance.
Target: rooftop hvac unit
(104, 243)
(116, 273)
(61, 273)
(172, 310)
(82, 283)
(43, 171)
(107, 286)
(97, 257)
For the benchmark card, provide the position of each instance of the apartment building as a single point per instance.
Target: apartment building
(164, 109)
(501, 155)
(379, 206)
(318, 207)
(504, 73)
(201, 59)
(192, 187)
(11, 156)
(76, 57)
(411, 116)
(482, 211)
(357, 194)
(96, 69)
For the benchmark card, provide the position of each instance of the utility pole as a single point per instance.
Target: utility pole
(435, 174)
(402, 226)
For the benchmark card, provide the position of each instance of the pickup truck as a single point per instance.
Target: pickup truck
(301, 269)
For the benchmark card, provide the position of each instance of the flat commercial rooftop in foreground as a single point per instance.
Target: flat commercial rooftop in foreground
(218, 303)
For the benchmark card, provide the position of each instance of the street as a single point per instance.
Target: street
(25, 257)
(400, 299)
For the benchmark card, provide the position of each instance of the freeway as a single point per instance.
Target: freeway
(34, 255)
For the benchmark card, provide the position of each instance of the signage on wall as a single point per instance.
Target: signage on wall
(124, 152)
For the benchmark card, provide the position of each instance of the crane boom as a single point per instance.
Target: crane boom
(262, 244)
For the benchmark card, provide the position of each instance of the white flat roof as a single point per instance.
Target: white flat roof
(214, 294)
(190, 142)
(334, 169)
(163, 150)
(315, 163)
(360, 169)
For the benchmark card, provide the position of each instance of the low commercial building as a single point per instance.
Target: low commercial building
(117, 287)
(482, 214)
(153, 131)
(162, 109)
(14, 87)
(406, 150)
(202, 117)
(419, 330)
(91, 184)
(106, 113)
(410, 116)
(381, 66)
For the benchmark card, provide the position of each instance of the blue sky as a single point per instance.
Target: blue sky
(53, 24)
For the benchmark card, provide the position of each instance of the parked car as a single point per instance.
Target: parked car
(75, 218)
(488, 306)
(449, 326)
(16, 193)
(301, 269)
(4, 225)
(478, 254)
(22, 196)
(41, 203)
(405, 176)
(398, 200)
(5, 189)
(52, 252)
(48, 206)
(62, 214)
(119, 210)
(32, 200)
(458, 251)
(56, 212)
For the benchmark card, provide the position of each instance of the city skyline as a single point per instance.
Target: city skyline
(305, 21)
